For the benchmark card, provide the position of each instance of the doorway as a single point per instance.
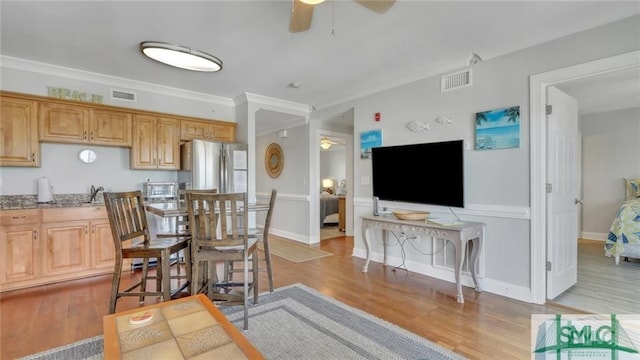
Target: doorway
(538, 100)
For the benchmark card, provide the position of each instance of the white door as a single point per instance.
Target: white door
(562, 201)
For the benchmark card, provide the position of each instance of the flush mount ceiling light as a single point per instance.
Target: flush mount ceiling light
(312, 2)
(181, 56)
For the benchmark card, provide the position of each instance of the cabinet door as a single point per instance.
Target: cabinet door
(190, 130)
(18, 253)
(66, 123)
(66, 247)
(110, 127)
(19, 144)
(222, 132)
(103, 249)
(168, 143)
(143, 152)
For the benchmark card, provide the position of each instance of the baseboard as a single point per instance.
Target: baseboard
(593, 236)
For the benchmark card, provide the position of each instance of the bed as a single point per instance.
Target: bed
(624, 234)
(328, 206)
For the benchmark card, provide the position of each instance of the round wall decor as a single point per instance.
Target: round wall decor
(274, 160)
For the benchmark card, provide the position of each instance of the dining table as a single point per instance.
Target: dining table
(174, 208)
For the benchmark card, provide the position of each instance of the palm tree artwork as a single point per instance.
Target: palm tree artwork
(498, 129)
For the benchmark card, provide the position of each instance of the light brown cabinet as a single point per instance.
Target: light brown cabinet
(206, 130)
(79, 124)
(43, 246)
(18, 246)
(19, 129)
(156, 143)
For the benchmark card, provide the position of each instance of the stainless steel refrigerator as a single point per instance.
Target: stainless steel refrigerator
(213, 165)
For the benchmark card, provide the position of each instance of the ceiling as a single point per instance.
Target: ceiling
(349, 50)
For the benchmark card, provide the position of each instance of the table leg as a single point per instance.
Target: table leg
(365, 240)
(385, 241)
(475, 257)
(460, 249)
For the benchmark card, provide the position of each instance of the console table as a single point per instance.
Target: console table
(458, 234)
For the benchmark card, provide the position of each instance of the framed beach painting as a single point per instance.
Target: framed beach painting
(498, 129)
(368, 140)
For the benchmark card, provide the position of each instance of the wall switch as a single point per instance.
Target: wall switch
(364, 180)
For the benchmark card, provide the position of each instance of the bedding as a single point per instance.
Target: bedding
(328, 206)
(624, 235)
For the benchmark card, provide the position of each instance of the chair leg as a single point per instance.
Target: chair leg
(267, 258)
(166, 276)
(256, 276)
(188, 269)
(196, 284)
(245, 301)
(115, 285)
(145, 273)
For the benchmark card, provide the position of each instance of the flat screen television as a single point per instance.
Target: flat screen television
(427, 173)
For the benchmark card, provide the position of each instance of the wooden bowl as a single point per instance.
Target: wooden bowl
(411, 214)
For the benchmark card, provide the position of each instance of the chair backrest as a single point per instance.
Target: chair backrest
(182, 222)
(222, 218)
(126, 216)
(267, 221)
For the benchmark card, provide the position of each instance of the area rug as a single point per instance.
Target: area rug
(297, 322)
(290, 250)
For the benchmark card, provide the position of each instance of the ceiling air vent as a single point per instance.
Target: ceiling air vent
(455, 80)
(123, 95)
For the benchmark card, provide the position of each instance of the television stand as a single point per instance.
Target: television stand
(459, 234)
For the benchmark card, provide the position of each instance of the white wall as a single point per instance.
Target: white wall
(497, 182)
(68, 175)
(610, 149)
(291, 214)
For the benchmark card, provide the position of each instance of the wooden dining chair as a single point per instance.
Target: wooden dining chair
(262, 237)
(219, 232)
(132, 239)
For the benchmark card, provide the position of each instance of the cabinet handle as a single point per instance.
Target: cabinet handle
(92, 138)
(33, 157)
(86, 229)
(85, 135)
(35, 234)
(18, 217)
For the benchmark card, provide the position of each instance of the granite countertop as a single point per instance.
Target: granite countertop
(23, 202)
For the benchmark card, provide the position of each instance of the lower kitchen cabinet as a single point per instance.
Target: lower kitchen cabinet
(18, 246)
(43, 246)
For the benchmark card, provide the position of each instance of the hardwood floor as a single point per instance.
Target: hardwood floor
(487, 326)
(603, 287)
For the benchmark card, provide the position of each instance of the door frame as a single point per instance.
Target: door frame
(538, 153)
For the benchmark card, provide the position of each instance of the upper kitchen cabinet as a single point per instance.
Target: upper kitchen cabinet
(19, 132)
(207, 130)
(71, 123)
(156, 143)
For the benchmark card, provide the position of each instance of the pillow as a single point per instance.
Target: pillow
(633, 189)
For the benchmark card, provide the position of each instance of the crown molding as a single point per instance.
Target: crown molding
(81, 75)
(296, 108)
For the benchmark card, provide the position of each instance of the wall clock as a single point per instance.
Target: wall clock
(274, 160)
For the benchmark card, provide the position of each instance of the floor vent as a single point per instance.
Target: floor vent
(123, 95)
(455, 80)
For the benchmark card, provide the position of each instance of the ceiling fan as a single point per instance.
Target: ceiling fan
(325, 143)
(302, 11)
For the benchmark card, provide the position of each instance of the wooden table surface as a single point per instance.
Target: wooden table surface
(175, 208)
(179, 329)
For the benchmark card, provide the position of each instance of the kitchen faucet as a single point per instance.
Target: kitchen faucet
(94, 192)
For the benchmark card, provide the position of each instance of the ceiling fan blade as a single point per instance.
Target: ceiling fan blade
(301, 15)
(378, 6)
